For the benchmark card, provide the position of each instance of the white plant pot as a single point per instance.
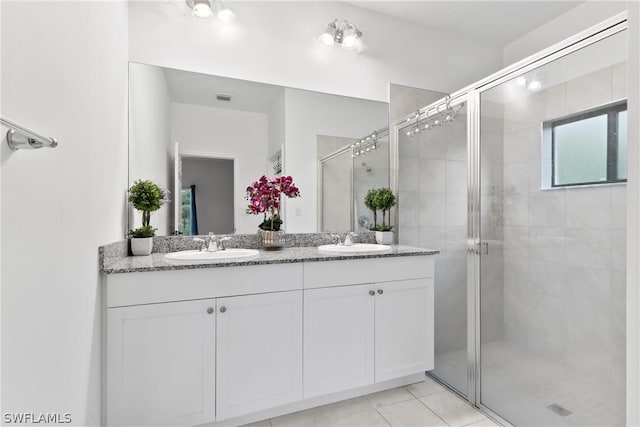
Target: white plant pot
(384, 237)
(141, 245)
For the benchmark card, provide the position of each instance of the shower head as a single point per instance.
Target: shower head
(366, 167)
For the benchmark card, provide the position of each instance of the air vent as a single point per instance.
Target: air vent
(222, 97)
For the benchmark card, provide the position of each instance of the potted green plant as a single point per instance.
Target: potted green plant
(381, 199)
(146, 197)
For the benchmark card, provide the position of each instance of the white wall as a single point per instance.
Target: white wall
(309, 114)
(578, 19)
(64, 73)
(277, 42)
(633, 219)
(150, 144)
(225, 133)
(276, 127)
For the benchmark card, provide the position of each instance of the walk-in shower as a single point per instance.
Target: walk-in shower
(345, 174)
(523, 192)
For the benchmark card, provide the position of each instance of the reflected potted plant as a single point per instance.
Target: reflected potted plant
(264, 197)
(381, 199)
(146, 197)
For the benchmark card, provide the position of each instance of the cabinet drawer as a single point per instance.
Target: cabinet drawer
(180, 285)
(350, 272)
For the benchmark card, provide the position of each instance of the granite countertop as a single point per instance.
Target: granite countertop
(157, 262)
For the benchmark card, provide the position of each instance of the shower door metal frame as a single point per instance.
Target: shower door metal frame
(471, 94)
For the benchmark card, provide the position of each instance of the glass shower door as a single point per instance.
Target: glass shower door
(432, 167)
(552, 263)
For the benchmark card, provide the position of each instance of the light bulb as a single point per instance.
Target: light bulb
(225, 14)
(534, 85)
(326, 38)
(202, 9)
(349, 41)
(329, 34)
(521, 81)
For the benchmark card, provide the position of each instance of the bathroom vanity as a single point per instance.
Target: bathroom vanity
(232, 342)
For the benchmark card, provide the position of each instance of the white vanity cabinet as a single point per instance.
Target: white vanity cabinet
(161, 363)
(338, 338)
(361, 334)
(231, 345)
(259, 354)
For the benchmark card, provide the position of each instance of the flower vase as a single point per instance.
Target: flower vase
(272, 239)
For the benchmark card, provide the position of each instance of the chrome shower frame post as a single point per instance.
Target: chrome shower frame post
(473, 245)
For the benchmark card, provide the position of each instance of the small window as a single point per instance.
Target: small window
(590, 147)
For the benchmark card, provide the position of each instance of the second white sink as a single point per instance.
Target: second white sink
(356, 248)
(204, 256)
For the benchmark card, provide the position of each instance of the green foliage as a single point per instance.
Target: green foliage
(142, 232)
(380, 199)
(272, 223)
(146, 197)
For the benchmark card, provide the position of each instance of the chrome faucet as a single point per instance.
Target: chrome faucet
(336, 239)
(348, 240)
(221, 241)
(201, 243)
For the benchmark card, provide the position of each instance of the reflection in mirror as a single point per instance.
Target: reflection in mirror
(206, 138)
(345, 176)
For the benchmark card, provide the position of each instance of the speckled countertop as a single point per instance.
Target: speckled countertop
(114, 261)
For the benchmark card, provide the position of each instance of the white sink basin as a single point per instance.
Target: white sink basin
(204, 256)
(356, 248)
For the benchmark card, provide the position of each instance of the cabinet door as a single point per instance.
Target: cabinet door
(161, 364)
(259, 361)
(404, 328)
(338, 339)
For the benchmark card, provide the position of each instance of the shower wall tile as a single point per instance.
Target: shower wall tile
(516, 178)
(432, 237)
(555, 102)
(619, 81)
(618, 251)
(456, 177)
(432, 177)
(619, 206)
(516, 241)
(408, 209)
(457, 141)
(588, 248)
(547, 208)
(456, 209)
(516, 210)
(410, 236)
(408, 171)
(590, 90)
(431, 148)
(547, 244)
(589, 207)
(432, 209)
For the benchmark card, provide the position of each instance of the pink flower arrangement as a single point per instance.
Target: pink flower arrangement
(264, 196)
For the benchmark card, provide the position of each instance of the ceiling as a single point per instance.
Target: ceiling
(201, 89)
(498, 22)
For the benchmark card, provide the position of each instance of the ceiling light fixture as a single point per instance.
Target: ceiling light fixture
(205, 9)
(345, 34)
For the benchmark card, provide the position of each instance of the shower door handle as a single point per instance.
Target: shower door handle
(479, 248)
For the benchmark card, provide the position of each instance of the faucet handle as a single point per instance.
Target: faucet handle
(221, 241)
(336, 238)
(348, 240)
(201, 242)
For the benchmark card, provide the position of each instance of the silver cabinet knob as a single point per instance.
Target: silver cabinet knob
(372, 292)
(380, 291)
(223, 309)
(210, 310)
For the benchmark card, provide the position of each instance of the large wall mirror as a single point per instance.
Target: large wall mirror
(206, 138)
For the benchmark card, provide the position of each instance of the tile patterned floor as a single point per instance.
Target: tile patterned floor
(423, 404)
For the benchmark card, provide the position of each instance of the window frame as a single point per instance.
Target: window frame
(611, 111)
